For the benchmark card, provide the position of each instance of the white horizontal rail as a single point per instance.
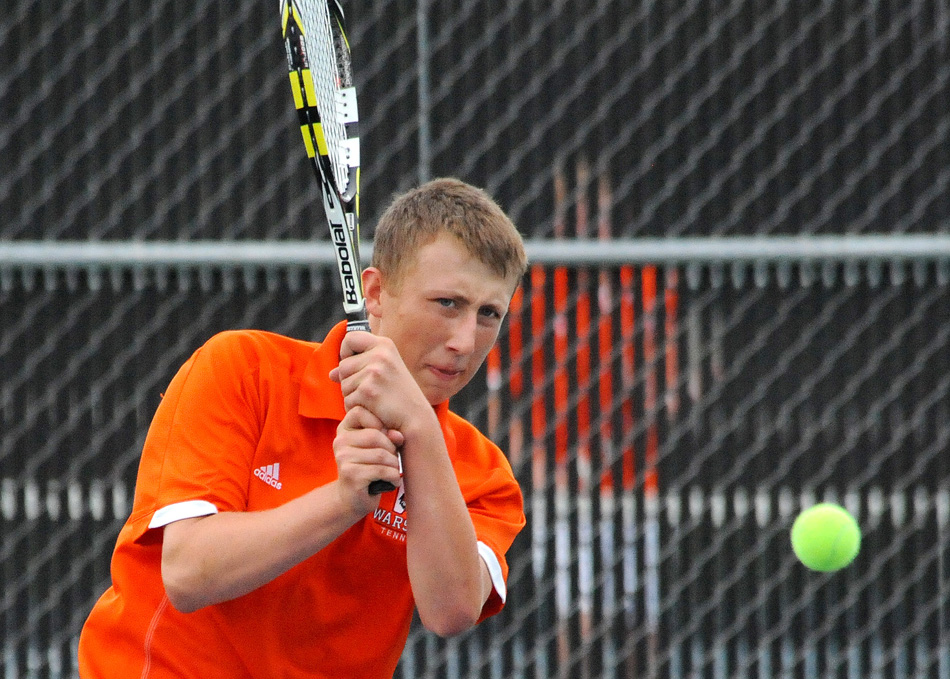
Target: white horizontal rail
(105, 500)
(710, 250)
(723, 249)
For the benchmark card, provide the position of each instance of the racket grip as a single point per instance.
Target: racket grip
(380, 486)
(358, 324)
(377, 487)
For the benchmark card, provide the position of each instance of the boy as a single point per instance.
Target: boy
(254, 548)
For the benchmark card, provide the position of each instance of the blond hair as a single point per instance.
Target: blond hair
(415, 218)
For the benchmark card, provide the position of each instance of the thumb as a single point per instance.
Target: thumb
(396, 437)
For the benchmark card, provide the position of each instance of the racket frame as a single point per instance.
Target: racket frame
(341, 207)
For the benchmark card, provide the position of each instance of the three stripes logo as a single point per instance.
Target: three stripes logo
(269, 474)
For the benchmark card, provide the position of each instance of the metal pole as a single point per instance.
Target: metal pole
(617, 252)
(425, 104)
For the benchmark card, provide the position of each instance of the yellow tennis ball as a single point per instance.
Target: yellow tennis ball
(826, 537)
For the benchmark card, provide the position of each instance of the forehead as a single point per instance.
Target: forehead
(445, 261)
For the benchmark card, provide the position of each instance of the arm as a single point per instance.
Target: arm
(450, 581)
(219, 557)
(216, 558)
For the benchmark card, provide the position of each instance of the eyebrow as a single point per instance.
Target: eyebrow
(500, 309)
(464, 299)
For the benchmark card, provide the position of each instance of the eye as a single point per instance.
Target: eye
(446, 302)
(490, 312)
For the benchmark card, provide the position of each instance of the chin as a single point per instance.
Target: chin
(437, 395)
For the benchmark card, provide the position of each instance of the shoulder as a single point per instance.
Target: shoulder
(248, 360)
(255, 347)
(463, 428)
(471, 444)
(460, 425)
(483, 471)
(257, 341)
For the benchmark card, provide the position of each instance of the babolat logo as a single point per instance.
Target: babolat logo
(269, 474)
(344, 259)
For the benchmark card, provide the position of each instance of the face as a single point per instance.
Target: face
(443, 316)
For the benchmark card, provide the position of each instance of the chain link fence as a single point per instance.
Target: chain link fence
(666, 421)
(714, 117)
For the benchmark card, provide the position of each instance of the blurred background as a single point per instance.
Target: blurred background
(667, 412)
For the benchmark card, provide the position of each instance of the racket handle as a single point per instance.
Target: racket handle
(377, 487)
(358, 324)
(380, 486)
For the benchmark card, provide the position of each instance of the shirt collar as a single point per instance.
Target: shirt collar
(321, 398)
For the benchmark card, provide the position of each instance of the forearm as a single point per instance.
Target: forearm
(226, 555)
(449, 581)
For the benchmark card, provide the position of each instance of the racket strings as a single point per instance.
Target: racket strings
(332, 78)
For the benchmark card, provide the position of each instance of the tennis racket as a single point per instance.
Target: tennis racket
(321, 78)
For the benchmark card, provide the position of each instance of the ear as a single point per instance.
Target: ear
(373, 290)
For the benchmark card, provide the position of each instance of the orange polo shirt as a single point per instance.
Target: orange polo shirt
(247, 424)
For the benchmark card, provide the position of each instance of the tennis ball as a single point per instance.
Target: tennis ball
(826, 537)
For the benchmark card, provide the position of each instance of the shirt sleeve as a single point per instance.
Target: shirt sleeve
(199, 449)
(494, 501)
(496, 508)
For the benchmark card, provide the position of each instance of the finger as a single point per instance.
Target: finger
(356, 476)
(354, 370)
(358, 418)
(365, 456)
(368, 439)
(348, 367)
(369, 387)
(390, 475)
(356, 342)
(358, 453)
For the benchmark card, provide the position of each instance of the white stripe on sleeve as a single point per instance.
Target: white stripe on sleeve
(181, 510)
(494, 569)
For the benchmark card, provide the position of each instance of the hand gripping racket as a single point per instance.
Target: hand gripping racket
(321, 77)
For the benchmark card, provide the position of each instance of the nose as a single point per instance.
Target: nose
(462, 336)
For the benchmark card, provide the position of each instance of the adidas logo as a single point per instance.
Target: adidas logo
(269, 474)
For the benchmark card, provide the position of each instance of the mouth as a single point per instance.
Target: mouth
(445, 373)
